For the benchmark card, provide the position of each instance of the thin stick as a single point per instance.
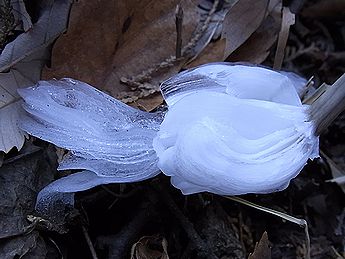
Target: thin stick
(301, 222)
(316, 95)
(328, 106)
(288, 19)
(178, 23)
(89, 243)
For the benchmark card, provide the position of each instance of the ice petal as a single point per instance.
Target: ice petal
(211, 141)
(242, 81)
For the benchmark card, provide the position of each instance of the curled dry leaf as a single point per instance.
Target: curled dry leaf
(241, 21)
(257, 47)
(20, 65)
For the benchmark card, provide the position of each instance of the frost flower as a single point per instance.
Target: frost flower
(234, 130)
(230, 129)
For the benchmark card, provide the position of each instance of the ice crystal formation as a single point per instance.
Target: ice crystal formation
(230, 129)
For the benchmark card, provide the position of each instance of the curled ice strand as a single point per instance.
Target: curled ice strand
(104, 135)
(112, 137)
(230, 129)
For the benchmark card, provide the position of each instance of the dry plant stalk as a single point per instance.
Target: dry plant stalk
(288, 19)
(178, 22)
(324, 110)
(301, 222)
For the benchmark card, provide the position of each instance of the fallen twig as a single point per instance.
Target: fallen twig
(288, 19)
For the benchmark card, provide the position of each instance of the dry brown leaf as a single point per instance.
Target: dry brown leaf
(262, 249)
(242, 21)
(142, 249)
(101, 50)
(87, 47)
(212, 53)
(256, 48)
(149, 103)
(287, 20)
(20, 65)
(213, 31)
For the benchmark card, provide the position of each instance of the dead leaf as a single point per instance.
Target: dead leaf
(87, 47)
(101, 50)
(262, 248)
(11, 135)
(213, 52)
(205, 47)
(288, 19)
(50, 25)
(20, 182)
(257, 48)
(149, 104)
(143, 250)
(20, 65)
(242, 21)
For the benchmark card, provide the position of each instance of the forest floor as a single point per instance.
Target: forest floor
(152, 219)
